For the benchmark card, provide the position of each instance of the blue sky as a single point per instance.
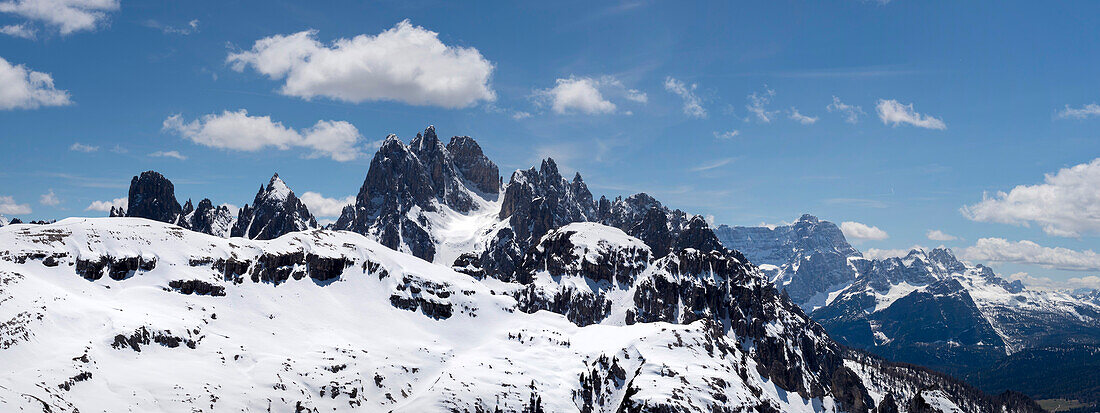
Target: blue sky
(637, 96)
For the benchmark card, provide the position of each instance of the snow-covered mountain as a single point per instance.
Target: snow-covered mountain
(808, 259)
(439, 289)
(927, 307)
(275, 211)
(132, 314)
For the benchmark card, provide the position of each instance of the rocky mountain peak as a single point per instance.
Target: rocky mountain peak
(808, 218)
(698, 235)
(474, 165)
(153, 196)
(275, 211)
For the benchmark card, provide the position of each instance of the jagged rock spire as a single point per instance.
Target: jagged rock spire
(274, 212)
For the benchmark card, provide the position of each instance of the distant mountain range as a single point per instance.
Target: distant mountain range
(926, 308)
(443, 288)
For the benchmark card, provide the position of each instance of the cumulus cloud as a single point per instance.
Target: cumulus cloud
(859, 231)
(1049, 284)
(1066, 204)
(49, 199)
(168, 154)
(850, 113)
(8, 206)
(325, 207)
(1000, 250)
(22, 88)
(727, 134)
(241, 132)
(693, 106)
(576, 94)
(80, 147)
(105, 206)
(892, 112)
(67, 16)
(758, 102)
(405, 63)
(1082, 112)
(937, 235)
(18, 30)
(800, 118)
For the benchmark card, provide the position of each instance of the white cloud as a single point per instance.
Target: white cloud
(18, 30)
(758, 103)
(405, 63)
(49, 198)
(1049, 284)
(858, 231)
(1083, 112)
(66, 15)
(851, 113)
(693, 106)
(712, 164)
(937, 235)
(325, 207)
(168, 154)
(803, 119)
(1000, 250)
(727, 134)
(22, 88)
(1067, 203)
(892, 112)
(520, 115)
(80, 147)
(105, 206)
(8, 206)
(241, 132)
(191, 27)
(575, 94)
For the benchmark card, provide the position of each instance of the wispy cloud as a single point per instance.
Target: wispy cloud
(895, 113)
(80, 147)
(851, 113)
(712, 164)
(727, 134)
(758, 102)
(693, 106)
(168, 154)
(800, 118)
(8, 206)
(1082, 112)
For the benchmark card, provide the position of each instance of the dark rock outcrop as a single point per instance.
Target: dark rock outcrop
(274, 212)
(153, 196)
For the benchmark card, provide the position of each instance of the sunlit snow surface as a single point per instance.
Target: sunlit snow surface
(334, 344)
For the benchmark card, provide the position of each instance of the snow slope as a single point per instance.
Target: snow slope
(94, 317)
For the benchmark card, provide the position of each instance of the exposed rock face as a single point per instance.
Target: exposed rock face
(474, 165)
(208, 219)
(686, 285)
(808, 258)
(274, 212)
(153, 196)
(117, 212)
(425, 175)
